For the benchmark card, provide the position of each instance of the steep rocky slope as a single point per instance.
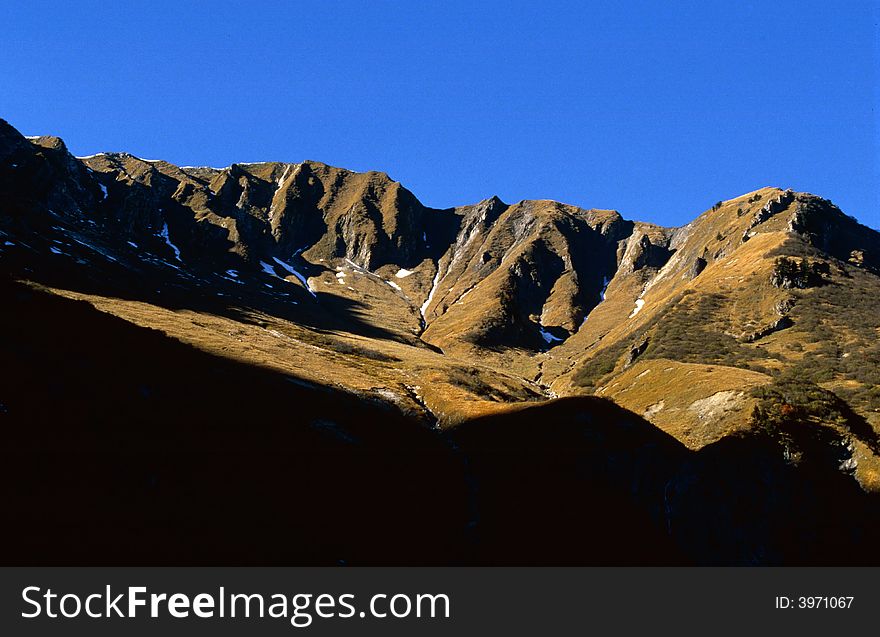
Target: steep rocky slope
(747, 338)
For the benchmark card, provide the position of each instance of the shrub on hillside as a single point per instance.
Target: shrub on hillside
(688, 333)
(789, 403)
(791, 274)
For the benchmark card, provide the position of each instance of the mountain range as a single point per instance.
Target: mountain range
(296, 363)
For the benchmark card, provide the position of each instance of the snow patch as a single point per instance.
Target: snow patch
(232, 275)
(289, 268)
(101, 252)
(640, 303)
(393, 284)
(387, 394)
(164, 234)
(548, 337)
(283, 178)
(132, 244)
(403, 273)
(268, 268)
(103, 189)
(430, 298)
(605, 283)
(55, 250)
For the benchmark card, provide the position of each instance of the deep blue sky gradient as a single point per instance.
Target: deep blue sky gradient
(655, 109)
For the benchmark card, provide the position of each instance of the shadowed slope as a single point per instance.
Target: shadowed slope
(124, 446)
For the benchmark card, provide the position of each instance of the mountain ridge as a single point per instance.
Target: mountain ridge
(537, 330)
(530, 276)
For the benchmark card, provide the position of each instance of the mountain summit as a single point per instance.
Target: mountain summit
(748, 335)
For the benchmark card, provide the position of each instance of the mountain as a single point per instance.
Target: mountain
(275, 350)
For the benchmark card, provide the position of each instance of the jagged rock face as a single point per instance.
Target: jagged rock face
(368, 219)
(488, 275)
(243, 214)
(536, 266)
(41, 174)
(516, 272)
(649, 255)
(528, 276)
(285, 210)
(699, 264)
(647, 247)
(772, 207)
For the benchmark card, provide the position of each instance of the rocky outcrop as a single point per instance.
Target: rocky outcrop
(772, 207)
(782, 323)
(651, 255)
(699, 264)
(635, 352)
(828, 229)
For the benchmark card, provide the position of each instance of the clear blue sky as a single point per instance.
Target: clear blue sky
(655, 110)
